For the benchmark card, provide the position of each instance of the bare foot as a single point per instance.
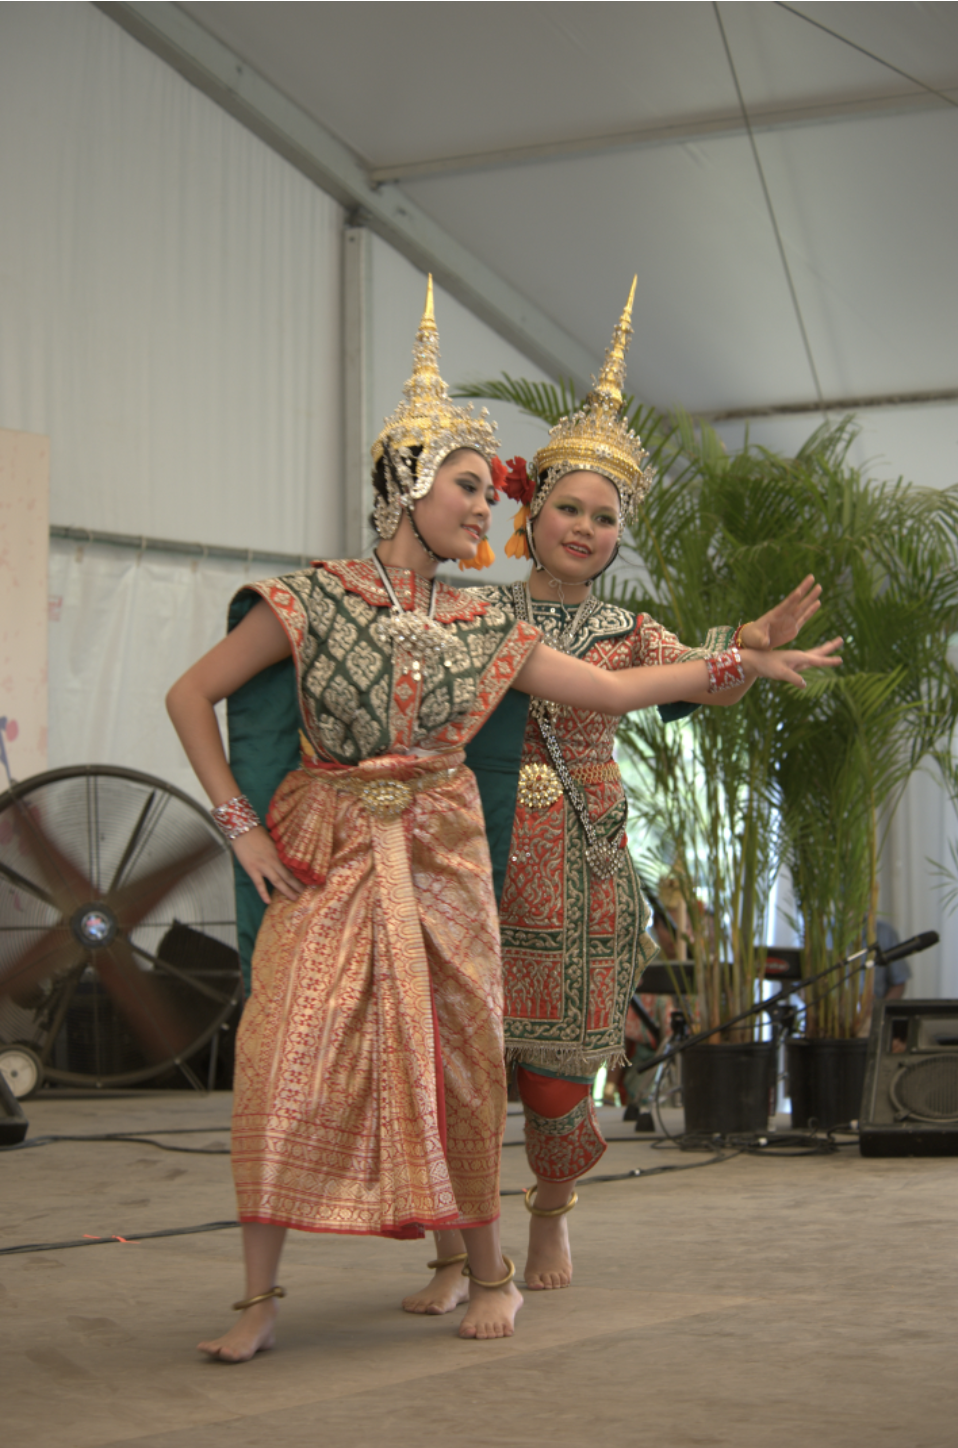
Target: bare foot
(549, 1263)
(252, 1334)
(446, 1290)
(491, 1311)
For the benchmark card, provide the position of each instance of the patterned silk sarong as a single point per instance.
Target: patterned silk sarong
(370, 1088)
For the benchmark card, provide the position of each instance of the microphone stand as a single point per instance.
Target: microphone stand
(783, 1016)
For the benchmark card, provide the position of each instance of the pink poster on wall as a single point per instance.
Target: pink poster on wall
(24, 549)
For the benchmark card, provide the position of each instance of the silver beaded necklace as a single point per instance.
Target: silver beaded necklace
(564, 641)
(409, 627)
(603, 857)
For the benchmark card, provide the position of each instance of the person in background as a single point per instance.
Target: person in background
(889, 981)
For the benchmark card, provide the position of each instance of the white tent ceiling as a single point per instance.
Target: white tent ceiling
(566, 146)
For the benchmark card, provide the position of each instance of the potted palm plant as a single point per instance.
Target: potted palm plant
(892, 592)
(808, 778)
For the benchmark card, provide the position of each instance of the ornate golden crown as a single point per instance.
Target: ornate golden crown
(597, 438)
(427, 419)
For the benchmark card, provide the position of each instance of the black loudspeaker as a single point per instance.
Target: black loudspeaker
(910, 1101)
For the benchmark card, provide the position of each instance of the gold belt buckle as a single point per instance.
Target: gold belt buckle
(539, 786)
(384, 798)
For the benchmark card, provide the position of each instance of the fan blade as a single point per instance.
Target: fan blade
(55, 951)
(132, 842)
(133, 901)
(161, 1033)
(20, 882)
(67, 885)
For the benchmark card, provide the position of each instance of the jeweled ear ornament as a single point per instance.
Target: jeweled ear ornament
(484, 558)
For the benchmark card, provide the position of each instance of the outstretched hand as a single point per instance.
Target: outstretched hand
(786, 666)
(783, 622)
(257, 854)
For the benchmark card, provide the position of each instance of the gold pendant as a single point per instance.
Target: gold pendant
(539, 786)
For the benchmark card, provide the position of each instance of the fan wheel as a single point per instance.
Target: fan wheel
(118, 952)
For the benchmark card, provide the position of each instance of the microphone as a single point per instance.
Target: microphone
(924, 941)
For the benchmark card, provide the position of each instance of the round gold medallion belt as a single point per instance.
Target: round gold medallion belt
(540, 785)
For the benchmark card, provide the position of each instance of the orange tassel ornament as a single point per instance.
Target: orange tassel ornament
(484, 557)
(518, 545)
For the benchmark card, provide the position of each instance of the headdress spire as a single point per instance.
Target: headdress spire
(426, 426)
(612, 377)
(597, 438)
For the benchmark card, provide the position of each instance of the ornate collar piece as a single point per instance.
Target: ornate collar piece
(360, 576)
(409, 629)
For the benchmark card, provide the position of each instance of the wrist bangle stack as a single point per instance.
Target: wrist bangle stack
(737, 636)
(726, 671)
(236, 817)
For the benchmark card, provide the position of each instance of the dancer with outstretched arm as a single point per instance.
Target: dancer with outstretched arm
(572, 913)
(370, 1088)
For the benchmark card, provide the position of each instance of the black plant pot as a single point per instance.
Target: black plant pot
(727, 1088)
(826, 1081)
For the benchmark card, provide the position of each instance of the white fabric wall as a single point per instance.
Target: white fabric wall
(169, 298)
(123, 626)
(170, 317)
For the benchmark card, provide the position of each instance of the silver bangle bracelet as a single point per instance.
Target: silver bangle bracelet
(726, 671)
(235, 817)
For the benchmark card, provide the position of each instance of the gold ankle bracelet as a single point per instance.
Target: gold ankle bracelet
(504, 1282)
(554, 1211)
(260, 1297)
(447, 1261)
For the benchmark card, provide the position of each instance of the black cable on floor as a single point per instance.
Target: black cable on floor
(755, 1143)
(100, 1241)
(135, 1136)
(720, 1149)
(718, 1155)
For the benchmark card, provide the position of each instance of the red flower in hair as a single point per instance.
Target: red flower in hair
(517, 483)
(499, 471)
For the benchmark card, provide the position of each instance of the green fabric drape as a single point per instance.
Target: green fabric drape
(494, 756)
(263, 725)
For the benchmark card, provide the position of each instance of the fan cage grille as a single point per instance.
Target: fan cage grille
(113, 828)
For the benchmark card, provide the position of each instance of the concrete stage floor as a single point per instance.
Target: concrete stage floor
(779, 1303)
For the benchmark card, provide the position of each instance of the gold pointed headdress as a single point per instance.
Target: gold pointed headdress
(426, 419)
(597, 438)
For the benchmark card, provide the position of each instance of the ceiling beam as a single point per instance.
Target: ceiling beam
(886, 400)
(226, 78)
(705, 128)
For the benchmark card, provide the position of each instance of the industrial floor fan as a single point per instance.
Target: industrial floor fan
(117, 929)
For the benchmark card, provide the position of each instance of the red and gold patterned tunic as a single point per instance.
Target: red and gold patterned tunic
(574, 944)
(370, 1090)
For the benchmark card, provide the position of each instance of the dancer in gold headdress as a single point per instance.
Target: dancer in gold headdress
(573, 917)
(370, 1088)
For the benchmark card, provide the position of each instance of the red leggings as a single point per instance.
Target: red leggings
(549, 1095)
(563, 1140)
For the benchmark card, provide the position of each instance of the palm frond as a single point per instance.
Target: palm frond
(547, 401)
